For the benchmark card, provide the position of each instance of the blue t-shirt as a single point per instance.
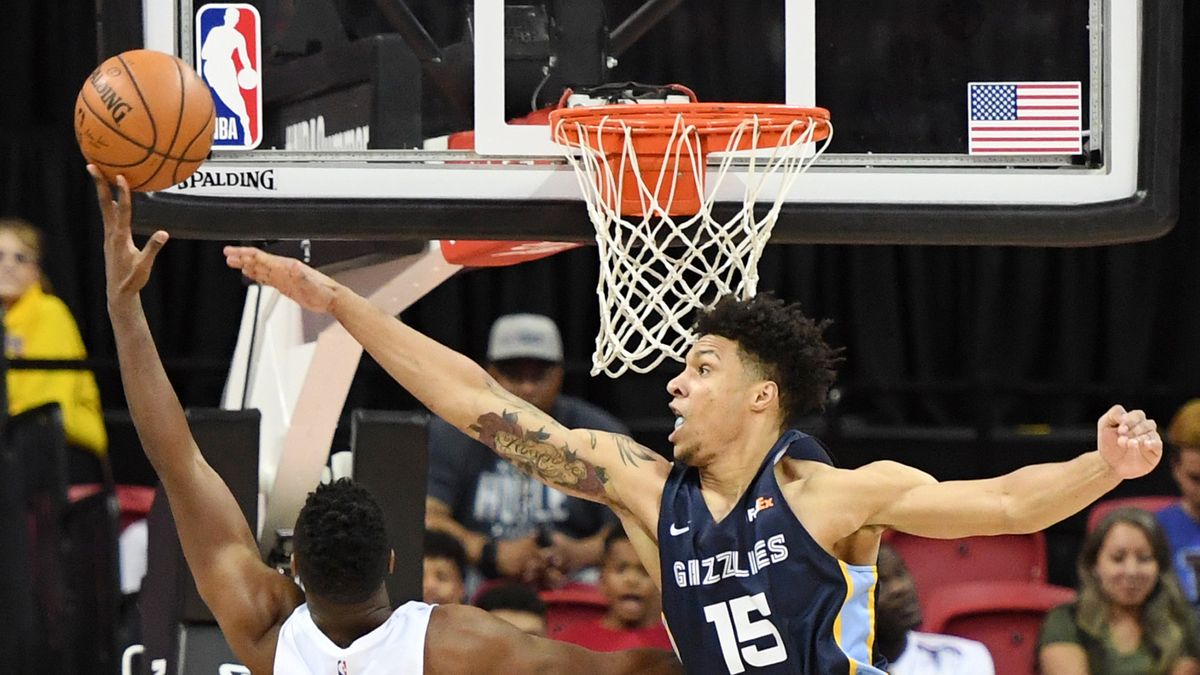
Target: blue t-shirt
(1183, 533)
(754, 592)
(487, 494)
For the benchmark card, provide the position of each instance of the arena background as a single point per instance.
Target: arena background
(963, 361)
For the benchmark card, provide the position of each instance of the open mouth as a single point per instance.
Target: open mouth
(679, 420)
(631, 601)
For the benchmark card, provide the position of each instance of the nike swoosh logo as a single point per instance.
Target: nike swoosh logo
(676, 531)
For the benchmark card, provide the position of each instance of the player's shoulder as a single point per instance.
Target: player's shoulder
(255, 635)
(287, 596)
(804, 472)
(883, 472)
(805, 480)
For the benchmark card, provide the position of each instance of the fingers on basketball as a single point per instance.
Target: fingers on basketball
(103, 191)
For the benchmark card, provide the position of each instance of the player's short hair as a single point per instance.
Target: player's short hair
(782, 344)
(341, 543)
(1184, 431)
(442, 545)
(512, 597)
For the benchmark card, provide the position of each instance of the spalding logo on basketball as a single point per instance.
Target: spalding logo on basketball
(145, 115)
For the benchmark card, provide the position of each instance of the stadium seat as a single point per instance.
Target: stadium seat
(133, 500)
(1006, 616)
(572, 604)
(1153, 504)
(935, 563)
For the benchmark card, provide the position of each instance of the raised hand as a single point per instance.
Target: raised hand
(1129, 442)
(307, 287)
(126, 268)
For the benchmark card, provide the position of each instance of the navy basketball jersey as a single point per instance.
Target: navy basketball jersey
(754, 593)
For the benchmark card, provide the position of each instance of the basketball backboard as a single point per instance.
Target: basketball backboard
(958, 121)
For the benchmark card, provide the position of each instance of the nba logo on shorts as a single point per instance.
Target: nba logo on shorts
(229, 58)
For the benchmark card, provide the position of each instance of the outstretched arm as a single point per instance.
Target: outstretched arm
(461, 638)
(248, 598)
(599, 466)
(888, 494)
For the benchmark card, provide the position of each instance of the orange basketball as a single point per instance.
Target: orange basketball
(145, 115)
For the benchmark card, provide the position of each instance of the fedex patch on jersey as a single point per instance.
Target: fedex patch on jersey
(229, 58)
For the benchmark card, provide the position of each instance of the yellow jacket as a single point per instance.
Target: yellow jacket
(39, 326)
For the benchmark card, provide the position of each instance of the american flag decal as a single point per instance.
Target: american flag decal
(1024, 118)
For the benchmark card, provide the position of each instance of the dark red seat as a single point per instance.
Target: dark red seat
(134, 501)
(1152, 504)
(577, 603)
(1006, 616)
(935, 563)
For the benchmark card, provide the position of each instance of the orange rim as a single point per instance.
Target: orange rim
(652, 131)
(707, 118)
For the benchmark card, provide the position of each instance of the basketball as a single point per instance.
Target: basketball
(145, 115)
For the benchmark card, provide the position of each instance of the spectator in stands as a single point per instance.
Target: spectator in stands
(39, 325)
(1181, 522)
(634, 605)
(510, 524)
(516, 604)
(445, 569)
(897, 616)
(1130, 616)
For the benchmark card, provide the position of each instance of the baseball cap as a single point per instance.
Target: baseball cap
(525, 336)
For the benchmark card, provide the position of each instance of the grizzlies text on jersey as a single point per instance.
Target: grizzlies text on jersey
(754, 593)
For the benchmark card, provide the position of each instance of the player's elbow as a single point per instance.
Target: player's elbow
(1019, 515)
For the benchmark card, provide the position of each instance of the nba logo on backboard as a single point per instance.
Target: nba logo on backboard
(229, 58)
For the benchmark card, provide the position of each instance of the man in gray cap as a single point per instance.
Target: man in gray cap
(510, 524)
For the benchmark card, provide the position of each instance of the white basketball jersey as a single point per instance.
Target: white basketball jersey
(395, 648)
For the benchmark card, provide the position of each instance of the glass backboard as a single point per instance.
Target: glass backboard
(957, 121)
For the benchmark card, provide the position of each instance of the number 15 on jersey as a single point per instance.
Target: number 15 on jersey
(736, 630)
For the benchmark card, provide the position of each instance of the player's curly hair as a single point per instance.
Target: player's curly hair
(341, 543)
(782, 344)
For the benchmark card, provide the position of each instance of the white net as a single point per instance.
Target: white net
(656, 268)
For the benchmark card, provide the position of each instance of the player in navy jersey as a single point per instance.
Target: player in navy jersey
(764, 551)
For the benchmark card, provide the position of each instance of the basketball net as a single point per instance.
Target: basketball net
(663, 253)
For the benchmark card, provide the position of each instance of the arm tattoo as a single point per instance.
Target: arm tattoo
(531, 452)
(630, 452)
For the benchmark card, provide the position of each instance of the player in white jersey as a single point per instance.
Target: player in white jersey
(343, 621)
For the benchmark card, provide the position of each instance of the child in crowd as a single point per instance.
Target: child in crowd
(634, 610)
(445, 569)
